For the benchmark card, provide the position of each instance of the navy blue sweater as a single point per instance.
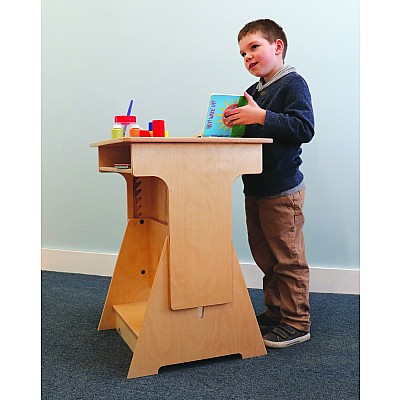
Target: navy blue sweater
(289, 122)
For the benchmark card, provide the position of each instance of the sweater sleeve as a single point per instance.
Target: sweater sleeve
(296, 122)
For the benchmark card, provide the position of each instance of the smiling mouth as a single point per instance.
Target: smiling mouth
(252, 65)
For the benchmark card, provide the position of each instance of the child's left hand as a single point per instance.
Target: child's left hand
(252, 113)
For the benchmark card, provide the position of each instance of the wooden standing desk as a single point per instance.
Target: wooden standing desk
(177, 293)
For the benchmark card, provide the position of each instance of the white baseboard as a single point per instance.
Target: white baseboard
(322, 280)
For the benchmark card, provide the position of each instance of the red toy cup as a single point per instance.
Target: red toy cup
(158, 128)
(144, 133)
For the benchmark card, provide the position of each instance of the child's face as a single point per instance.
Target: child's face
(261, 58)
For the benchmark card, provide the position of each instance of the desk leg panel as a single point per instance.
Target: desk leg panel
(170, 337)
(135, 267)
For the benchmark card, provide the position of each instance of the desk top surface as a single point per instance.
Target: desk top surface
(220, 140)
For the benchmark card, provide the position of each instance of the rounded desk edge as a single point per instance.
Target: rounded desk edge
(128, 140)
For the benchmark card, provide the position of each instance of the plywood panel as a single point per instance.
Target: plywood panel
(199, 182)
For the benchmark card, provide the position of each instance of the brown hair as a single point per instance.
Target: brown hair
(268, 28)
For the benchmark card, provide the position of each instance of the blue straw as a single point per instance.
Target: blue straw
(130, 108)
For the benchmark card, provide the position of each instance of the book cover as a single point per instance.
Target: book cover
(214, 125)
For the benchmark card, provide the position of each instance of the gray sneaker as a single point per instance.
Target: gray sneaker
(266, 324)
(285, 335)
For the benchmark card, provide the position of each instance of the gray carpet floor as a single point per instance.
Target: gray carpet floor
(79, 362)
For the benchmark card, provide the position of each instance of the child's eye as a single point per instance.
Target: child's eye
(254, 46)
(243, 54)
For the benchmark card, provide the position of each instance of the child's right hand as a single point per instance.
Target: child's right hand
(252, 113)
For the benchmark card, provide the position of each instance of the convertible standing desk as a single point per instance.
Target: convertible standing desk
(177, 293)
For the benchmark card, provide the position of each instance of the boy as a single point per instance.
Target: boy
(279, 107)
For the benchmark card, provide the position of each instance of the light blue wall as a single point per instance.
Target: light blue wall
(169, 56)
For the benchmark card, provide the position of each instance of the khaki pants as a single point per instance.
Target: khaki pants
(276, 241)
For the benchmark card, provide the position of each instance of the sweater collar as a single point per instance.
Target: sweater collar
(262, 84)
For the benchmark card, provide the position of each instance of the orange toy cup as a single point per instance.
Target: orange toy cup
(134, 132)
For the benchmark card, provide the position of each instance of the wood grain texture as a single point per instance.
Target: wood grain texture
(199, 182)
(135, 267)
(170, 337)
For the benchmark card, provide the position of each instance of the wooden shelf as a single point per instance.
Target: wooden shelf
(129, 321)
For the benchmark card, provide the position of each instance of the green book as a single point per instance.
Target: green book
(238, 130)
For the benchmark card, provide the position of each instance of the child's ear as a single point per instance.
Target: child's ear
(279, 46)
